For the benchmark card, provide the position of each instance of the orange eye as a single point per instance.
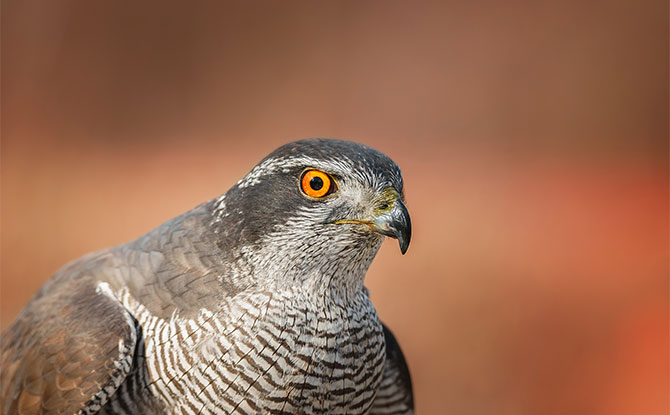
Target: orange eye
(316, 183)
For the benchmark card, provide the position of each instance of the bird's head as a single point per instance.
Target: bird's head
(314, 206)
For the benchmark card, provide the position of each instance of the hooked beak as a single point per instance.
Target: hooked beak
(396, 224)
(390, 221)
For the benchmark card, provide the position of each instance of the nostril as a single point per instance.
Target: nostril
(384, 205)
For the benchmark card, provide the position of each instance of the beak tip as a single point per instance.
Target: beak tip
(404, 239)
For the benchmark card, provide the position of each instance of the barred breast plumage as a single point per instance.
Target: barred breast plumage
(327, 361)
(252, 303)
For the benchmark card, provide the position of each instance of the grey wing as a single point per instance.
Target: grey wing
(68, 351)
(394, 394)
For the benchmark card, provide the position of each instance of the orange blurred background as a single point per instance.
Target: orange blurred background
(533, 138)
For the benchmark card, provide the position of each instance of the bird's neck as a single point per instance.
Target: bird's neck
(297, 253)
(336, 271)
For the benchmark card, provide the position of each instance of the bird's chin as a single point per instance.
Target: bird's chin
(362, 234)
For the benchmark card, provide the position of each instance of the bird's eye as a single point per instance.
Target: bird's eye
(316, 183)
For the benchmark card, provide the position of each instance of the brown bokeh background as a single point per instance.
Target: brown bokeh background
(533, 138)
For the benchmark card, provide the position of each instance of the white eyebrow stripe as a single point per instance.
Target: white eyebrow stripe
(270, 166)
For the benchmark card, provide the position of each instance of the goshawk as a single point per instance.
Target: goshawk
(251, 303)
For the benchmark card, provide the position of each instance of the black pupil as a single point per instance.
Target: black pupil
(316, 183)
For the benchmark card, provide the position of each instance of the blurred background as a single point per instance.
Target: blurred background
(533, 139)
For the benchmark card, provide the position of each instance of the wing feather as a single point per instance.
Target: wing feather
(68, 351)
(394, 394)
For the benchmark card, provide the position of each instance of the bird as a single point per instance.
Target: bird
(251, 303)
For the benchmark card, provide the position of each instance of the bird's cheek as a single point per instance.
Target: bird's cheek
(340, 212)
